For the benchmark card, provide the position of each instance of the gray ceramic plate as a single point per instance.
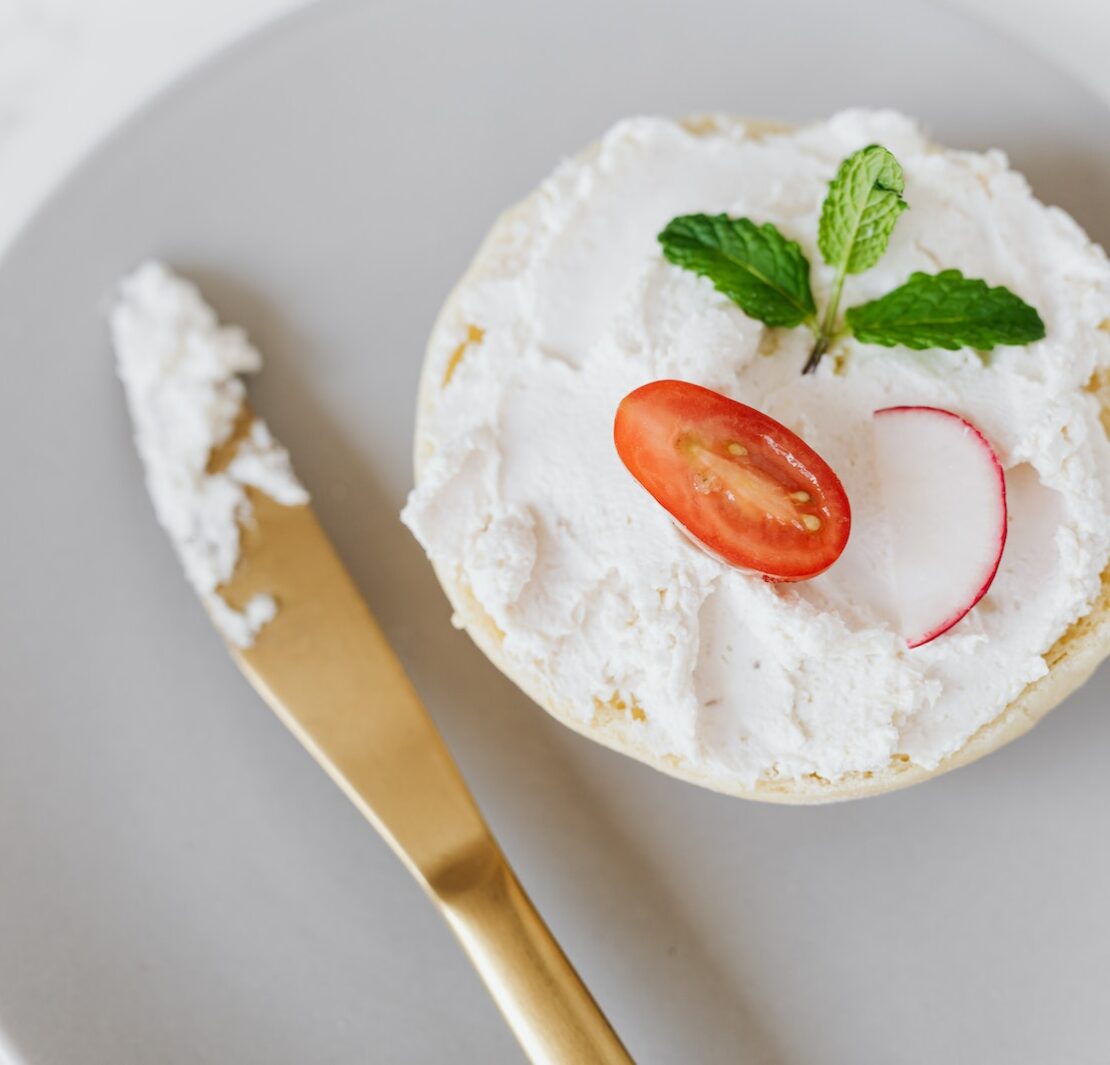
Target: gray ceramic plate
(179, 884)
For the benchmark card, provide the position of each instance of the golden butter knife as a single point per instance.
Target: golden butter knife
(326, 669)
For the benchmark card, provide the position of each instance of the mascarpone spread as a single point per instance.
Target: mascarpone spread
(604, 604)
(180, 370)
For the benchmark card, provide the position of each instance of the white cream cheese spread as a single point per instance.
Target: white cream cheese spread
(602, 602)
(180, 369)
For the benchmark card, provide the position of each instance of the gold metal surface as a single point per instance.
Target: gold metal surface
(327, 671)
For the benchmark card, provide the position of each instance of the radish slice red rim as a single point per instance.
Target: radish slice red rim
(944, 493)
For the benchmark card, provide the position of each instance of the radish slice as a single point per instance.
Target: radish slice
(945, 499)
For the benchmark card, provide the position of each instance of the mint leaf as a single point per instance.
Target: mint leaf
(946, 310)
(863, 203)
(761, 271)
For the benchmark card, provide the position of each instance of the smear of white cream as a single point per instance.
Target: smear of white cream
(524, 497)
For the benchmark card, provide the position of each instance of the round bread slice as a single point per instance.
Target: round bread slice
(1071, 660)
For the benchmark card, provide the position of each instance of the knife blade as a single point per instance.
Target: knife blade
(325, 668)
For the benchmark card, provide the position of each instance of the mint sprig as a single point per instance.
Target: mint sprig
(945, 310)
(761, 271)
(767, 275)
(857, 218)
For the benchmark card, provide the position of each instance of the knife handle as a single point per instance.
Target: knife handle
(542, 998)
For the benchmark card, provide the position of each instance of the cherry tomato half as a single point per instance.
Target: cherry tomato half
(745, 487)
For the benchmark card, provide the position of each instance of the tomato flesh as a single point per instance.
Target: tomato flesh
(740, 483)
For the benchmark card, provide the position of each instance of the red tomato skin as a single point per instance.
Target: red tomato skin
(647, 430)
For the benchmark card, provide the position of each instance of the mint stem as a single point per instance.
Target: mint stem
(819, 349)
(826, 332)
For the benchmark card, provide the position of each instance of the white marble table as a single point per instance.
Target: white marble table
(72, 69)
